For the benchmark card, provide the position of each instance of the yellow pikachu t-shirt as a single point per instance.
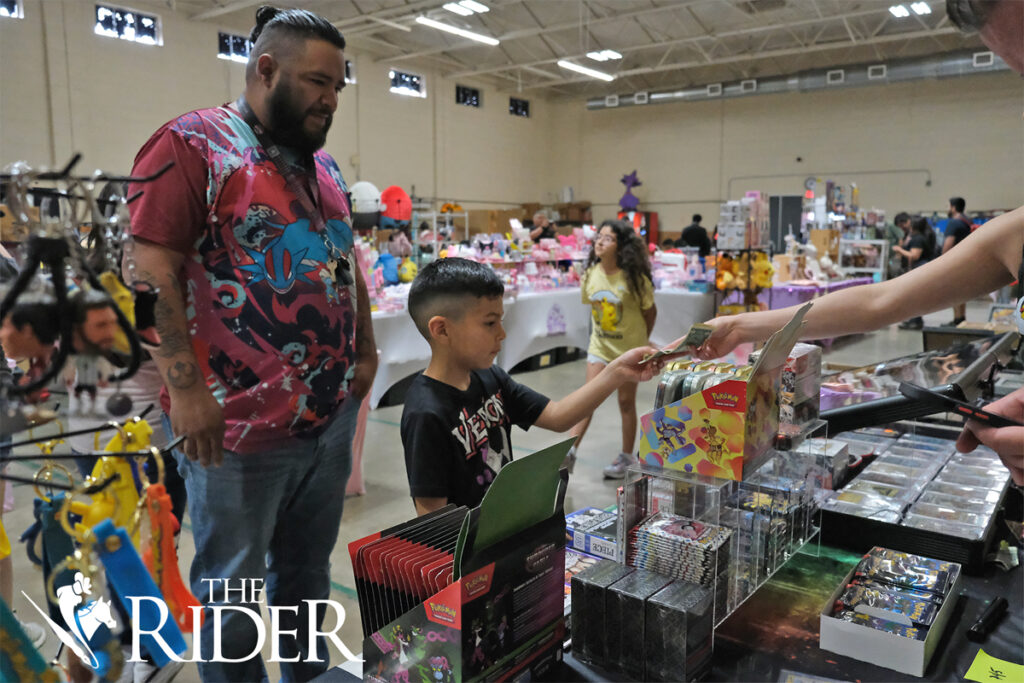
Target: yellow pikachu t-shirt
(616, 312)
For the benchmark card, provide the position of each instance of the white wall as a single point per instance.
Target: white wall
(967, 132)
(66, 89)
(62, 88)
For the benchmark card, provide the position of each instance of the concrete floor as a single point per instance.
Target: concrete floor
(387, 501)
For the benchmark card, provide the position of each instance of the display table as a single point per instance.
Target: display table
(785, 295)
(777, 629)
(534, 322)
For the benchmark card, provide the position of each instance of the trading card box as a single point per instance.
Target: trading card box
(677, 641)
(726, 430)
(588, 610)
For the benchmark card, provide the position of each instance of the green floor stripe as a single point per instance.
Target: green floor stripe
(344, 590)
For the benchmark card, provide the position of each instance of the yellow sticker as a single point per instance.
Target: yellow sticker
(986, 669)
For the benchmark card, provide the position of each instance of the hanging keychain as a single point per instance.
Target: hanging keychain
(19, 659)
(161, 558)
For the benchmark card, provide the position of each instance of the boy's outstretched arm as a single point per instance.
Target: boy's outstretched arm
(561, 415)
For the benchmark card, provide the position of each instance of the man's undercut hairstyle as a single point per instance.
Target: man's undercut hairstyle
(958, 203)
(445, 286)
(280, 32)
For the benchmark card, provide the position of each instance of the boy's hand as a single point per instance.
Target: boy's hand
(628, 365)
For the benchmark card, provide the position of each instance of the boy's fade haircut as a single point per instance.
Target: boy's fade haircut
(442, 287)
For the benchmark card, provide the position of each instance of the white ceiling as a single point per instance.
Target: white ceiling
(664, 43)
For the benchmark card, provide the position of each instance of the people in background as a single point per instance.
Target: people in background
(957, 229)
(458, 414)
(542, 227)
(919, 250)
(694, 235)
(896, 234)
(267, 346)
(617, 287)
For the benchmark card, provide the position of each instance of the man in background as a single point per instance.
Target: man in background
(694, 235)
(958, 228)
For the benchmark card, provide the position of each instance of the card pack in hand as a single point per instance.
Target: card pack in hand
(398, 568)
(694, 339)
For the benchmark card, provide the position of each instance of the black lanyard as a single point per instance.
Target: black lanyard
(343, 273)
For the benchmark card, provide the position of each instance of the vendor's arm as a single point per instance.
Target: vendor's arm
(561, 415)
(983, 262)
(366, 346)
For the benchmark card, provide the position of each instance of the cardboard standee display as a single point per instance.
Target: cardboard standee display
(502, 615)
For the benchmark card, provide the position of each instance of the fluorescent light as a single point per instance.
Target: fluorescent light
(474, 6)
(921, 8)
(899, 11)
(604, 55)
(457, 9)
(593, 73)
(487, 40)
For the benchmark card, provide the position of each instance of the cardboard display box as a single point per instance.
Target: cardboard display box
(728, 429)
(503, 615)
(892, 651)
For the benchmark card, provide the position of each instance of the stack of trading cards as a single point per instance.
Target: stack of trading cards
(679, 547)
(398, 568)
(896, 592)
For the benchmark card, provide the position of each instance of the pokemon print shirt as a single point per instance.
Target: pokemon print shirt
(273, 333)
(616, 312)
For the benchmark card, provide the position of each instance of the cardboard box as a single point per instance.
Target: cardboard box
(725, 430)
(502, 617)
(826, 241)
(594, 531)
(487, 221)
(889, 650)
(10, 231)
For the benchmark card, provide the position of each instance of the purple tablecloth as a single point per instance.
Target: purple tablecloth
(786, 295)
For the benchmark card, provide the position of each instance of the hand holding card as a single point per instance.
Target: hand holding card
(693, 340)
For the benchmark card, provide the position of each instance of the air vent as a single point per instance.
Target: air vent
(835, 77)
(611, 100)
(640, 98)
(877, 72)
(983, 59)
(749, 85)
(714, 90)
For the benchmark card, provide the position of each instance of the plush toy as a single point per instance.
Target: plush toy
(389, 267)
(723, 272)
(407, 271)
(365, 205)
(761, 271)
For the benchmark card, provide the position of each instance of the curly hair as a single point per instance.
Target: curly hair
(630, 255)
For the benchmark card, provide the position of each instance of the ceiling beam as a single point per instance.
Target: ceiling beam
(224, 9)
(770, 54)
(564, 26)
(389, 23)
(785, 27)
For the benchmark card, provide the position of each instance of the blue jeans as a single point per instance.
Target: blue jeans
(275, 516)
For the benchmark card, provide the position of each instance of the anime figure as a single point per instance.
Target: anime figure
(478, 644)
(403, 641)
(716, 443)
(629, 201)
(440, 669)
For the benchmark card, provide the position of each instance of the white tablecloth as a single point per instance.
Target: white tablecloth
(678, 309)
(534, 323)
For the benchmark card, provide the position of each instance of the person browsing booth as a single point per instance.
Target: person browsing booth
(458, 416)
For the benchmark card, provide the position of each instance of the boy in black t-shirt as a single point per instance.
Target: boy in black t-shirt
(458, 414)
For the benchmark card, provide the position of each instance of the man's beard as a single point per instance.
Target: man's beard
(287, 121)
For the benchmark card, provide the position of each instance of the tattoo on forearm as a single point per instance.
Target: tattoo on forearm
(173, 339)
(182, 375)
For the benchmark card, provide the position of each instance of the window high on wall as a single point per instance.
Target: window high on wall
(405, 83)
(235, 48)
(518, 107)
(128, 24)
(11, 9)
(467, 96)
(350, 72)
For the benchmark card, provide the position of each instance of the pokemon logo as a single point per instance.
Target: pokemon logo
(725, 399)
(441, 612)
(477, 584)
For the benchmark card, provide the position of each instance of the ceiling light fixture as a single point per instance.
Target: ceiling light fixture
(899, 11)
(474, 6)
(457, 9)
(487, 40)
(921, 8)
(593, 73)
(604, 55)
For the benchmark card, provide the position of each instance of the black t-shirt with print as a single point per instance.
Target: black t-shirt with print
(456, 441)
(919, 241)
